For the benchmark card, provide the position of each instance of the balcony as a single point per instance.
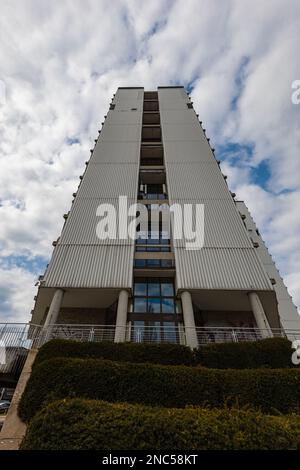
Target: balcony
(151, 117)
(154, 263)
(150, 95)
(151, 133)
(152, 191)
(151, 105)
(152, 151)
(27, 336)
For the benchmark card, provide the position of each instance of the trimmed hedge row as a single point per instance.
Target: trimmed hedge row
(164, 353)
(272, 353)
(94, 425)
(157, 385)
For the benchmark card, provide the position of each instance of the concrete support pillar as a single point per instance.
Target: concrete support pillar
(189, 321)
(120, 333)
(259, 315)
(54, 308)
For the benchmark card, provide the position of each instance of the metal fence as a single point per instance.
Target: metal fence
(15, 341)
(17, 338)
(95, 333)
(234, 335)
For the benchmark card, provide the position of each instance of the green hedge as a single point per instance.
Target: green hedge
(94, 425)
(271, 353)
(166, 353)
(157, 385)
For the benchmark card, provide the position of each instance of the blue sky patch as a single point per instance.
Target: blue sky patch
(35, 265)
(260, 174)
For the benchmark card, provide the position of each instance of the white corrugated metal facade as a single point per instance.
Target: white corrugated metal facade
(80, 258)
(228, 259)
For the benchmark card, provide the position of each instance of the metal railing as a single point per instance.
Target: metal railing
(234, 335)
(155, 334)
(82, 333)
(16, 339)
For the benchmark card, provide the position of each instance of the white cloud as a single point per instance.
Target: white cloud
(62, 61)
(16, 294)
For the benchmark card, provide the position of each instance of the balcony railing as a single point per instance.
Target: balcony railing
(234, 335)
(17, 338)
(82, 333)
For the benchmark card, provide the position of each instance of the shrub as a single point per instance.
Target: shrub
(167, 386)
(166, 353)
(94, 425)
(271, 352)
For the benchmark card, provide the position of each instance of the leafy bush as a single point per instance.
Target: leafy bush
(271, 353)
(157, 385)
(166, 353)
(94, 425)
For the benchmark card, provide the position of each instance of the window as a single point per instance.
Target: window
(167, 305)
(140, 288)
(156, 315)
(154, 289)
(170, 334)
(155, 295)
(167, 289)
(154, 263)
(140, 304)
(153, 305)
(154, 191)
(154, 332)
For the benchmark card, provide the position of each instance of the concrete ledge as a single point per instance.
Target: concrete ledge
(13, 430)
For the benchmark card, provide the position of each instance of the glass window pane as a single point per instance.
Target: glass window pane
(137, 331)
(140, 304)
(153, 332)
(153, 263)
(167, 305)
(139, 263)
(178, 306)
(170, 332)
(154, 305)
(153, 289)
(166, 263)
(153, 241)
(140, 288)
(167, 289)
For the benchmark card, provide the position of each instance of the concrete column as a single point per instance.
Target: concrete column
(120, 333)
(189, 321)
(259, 315)
(54, 308)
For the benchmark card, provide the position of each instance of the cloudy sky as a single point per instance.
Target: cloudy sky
(61, 62)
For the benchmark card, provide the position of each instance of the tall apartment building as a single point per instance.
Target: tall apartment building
(153, 150)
